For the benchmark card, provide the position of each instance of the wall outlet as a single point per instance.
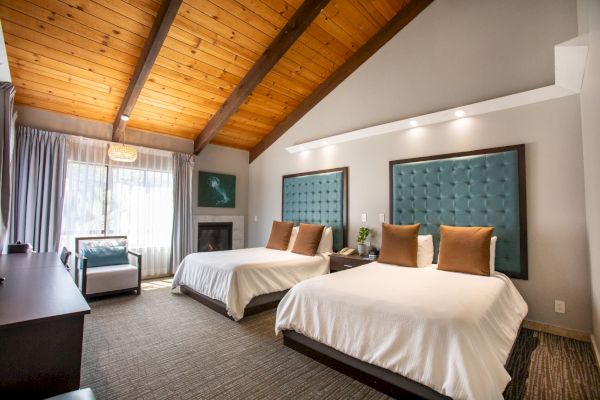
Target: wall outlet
(382, 217)
(363, 217)
(559, 306)
(256, 218)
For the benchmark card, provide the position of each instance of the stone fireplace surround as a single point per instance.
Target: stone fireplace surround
(237, 234)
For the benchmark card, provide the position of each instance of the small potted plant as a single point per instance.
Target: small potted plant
(363, 245)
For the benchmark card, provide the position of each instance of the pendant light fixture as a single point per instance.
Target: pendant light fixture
(122, 152)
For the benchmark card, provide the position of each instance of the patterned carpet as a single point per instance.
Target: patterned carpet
(164, 345)
(545, 366)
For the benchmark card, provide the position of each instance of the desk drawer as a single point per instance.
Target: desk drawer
(340, 263)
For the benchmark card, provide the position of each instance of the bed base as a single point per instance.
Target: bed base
(381, 379)
(388, 382)
(257, 305)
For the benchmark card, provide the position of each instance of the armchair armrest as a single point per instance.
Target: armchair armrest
(84, 262)
(136, 255)
(139, 266)
(83, 259)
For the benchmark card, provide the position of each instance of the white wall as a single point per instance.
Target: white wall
(590, 124)
(227, 161)
(456, 53)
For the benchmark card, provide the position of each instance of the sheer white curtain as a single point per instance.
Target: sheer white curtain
(84, 206)
(140, 205)
(133, 199)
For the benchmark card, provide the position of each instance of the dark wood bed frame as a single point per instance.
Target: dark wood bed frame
(257, 305)
(381, 379)
(386, 381)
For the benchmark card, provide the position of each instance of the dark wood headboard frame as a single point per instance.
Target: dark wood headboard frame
(520, 149)
(344, 171)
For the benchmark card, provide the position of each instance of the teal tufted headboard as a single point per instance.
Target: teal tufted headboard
(318, 197)
(478, 188)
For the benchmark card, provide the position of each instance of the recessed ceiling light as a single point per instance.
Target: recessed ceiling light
(325, 142)
(124, 117)
(459, 113)
(413, 123)
(301, 147)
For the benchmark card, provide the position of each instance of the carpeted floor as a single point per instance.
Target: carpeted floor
(164, 345)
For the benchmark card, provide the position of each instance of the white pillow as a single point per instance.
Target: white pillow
(325, 245)
(493, 254)
(425, 251)
(293, 238)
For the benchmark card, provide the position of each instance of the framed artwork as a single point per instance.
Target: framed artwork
(216, 190)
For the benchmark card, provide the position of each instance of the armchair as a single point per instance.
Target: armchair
(102, 266)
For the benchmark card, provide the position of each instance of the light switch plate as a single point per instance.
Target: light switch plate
(256, 218)
(363, 217)
(382, 217)
(559, 306)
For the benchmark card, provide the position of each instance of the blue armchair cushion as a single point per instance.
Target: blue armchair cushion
(103, 256)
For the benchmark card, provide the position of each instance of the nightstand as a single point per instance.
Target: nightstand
(338, 262)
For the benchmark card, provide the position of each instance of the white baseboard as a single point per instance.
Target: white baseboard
(557, 330)
(596, 352)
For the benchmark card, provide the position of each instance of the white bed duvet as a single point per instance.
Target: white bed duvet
(234, 277)
(450, 331)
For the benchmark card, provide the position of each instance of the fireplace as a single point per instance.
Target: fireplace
(214, 236)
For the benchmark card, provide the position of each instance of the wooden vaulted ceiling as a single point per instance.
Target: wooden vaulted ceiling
(78, 57)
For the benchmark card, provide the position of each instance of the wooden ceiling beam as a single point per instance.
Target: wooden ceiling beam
(164, 19)
(295, 26)
(395, 25)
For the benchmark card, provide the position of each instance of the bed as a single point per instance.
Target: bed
(422, 331)
(432, 333)
(245, 281)
(242, 282)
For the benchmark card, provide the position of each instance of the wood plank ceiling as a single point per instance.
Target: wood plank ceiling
(77, 57)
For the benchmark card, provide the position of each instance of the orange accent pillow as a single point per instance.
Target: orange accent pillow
(465, 249)
(308, 239)
(280, 235)
(399, 244)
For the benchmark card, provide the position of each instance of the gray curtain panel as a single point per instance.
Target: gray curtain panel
(7, 97)
(182, 242)
(40, 165)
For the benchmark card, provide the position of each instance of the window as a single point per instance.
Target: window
(113, 200)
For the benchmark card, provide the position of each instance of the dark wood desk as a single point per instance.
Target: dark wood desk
(41, 327)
